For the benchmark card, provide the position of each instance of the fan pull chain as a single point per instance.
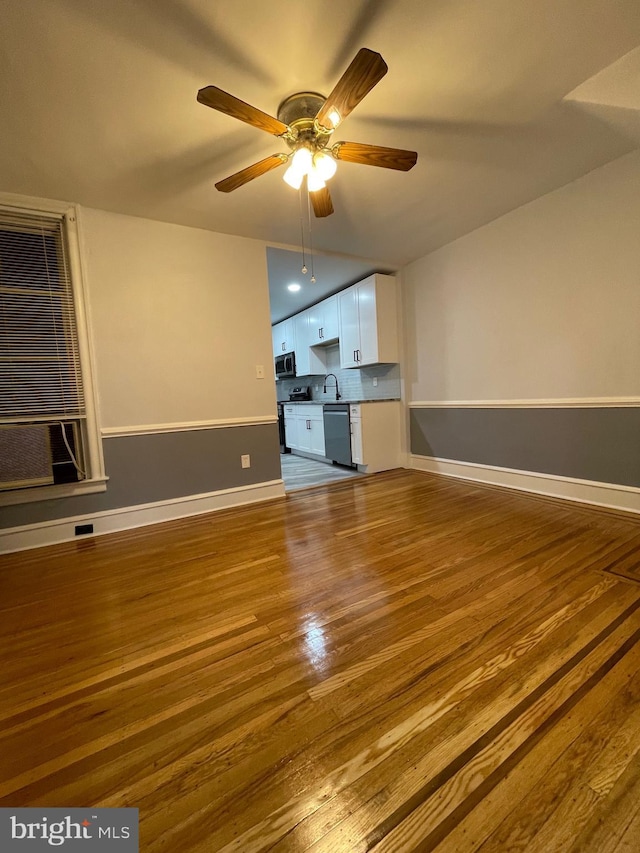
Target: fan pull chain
(313, 278)
(304, 265)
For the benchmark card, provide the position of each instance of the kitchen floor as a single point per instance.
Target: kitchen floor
(298, 472)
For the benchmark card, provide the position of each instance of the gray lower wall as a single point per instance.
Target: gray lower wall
(147, 468)
(599, 444)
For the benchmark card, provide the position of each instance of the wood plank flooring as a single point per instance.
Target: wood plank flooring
(298, 472)
(399, 662)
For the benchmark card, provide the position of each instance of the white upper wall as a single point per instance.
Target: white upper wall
(542, 303)
(180, 319)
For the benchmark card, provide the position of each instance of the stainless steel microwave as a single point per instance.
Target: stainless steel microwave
(285, 365)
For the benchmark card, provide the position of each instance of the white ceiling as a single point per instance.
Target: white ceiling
(98, 106)
(332, 273)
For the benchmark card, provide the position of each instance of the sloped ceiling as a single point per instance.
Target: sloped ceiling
(98, 106)
(612, 96)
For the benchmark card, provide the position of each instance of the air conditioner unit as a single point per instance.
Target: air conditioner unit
(36, 455)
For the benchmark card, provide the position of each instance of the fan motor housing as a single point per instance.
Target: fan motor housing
(299, 111)
(301, 106)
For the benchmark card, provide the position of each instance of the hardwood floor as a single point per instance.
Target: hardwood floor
(397, 663)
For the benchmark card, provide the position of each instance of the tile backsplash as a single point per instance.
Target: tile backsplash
(354, 383)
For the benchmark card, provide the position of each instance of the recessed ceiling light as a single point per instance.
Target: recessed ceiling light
(294, 288)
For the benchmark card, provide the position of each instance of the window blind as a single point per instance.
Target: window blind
(40, 377)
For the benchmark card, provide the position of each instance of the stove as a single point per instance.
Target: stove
(300, 394)
(281, 431)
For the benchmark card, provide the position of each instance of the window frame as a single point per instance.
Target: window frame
(92, 444)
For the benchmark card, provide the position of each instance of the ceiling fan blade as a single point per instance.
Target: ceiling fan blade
(367, 69)
(375, 155)
(215, 98)
(321, 201)
(245, 175)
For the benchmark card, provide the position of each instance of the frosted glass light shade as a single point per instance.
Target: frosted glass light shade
(314, 181)
(302, 160)
(301, 164)
(325, 165)
(293, 177)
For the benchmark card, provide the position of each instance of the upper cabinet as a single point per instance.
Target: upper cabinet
(364, 318)
(323, 322)
(303, 361)
(283, 335)
(314, 328)
(368, 322)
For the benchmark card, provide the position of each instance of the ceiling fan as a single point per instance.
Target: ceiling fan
(306, 121)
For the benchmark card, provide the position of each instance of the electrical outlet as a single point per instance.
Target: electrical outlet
(375, 381)
(259, 371)
(245, 461)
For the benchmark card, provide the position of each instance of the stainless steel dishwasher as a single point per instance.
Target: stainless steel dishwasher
(337, 433)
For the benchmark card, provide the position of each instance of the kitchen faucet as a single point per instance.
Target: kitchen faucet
(324, 389)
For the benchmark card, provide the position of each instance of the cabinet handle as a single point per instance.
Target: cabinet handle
(283, 345)
(320, 335)
(354, 354)
(358, 358)
(308, 424)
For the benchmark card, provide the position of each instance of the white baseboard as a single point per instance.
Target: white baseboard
(609, 495)
(110, 521)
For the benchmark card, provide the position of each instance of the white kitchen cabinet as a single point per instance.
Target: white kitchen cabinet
(304, 428)
(317, 439)
(349, 327)
(357, 456)
(375, 435)
(368, 322)
(291, 426)
(303, 354)
(283, 337)
(314, 328)
(311, 429)
(323, 323)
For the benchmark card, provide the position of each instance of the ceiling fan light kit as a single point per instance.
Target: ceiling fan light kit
(305, 122)
(315, 182)
(324, 164)
(301, 163)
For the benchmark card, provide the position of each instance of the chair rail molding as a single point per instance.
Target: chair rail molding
(555, 403)
(186, 426)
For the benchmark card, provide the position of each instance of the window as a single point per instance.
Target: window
(48, 434)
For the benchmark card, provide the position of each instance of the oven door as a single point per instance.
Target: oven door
(281, 432)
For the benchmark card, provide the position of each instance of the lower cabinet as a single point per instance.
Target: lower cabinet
(375, 435)
(375, 432)
(355, 420)
(290, 426)
(304, 428)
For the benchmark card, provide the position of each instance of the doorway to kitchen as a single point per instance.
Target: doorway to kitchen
(298, 472)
